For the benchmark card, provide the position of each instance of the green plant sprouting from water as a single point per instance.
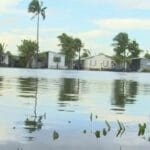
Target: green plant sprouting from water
(142, 128)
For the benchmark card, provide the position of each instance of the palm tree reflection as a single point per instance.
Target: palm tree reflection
(1, 84)
(29, 89)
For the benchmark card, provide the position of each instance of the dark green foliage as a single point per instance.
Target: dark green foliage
(86, 53)
(104, 132)
(37, 8)
(142, 129)
(121, 129)
(55, 135)
(2, 48)
(97, 134)
(125, 49)
(71, 48)
(91, 117)
(120, 44)
(27, 51)
(67, 48)
(108, 125)
(134, 49)
(84, 131)
(147, 55)
(32, 124)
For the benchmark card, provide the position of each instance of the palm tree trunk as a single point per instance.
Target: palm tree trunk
(38, 21)
(124, 60)
(79, 60)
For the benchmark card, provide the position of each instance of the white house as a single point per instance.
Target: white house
(51, 60)
(99, 62)
(56, 60)
(4, 59)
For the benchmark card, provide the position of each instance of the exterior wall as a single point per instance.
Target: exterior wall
(4, 59)
(54, 63)
(99, 62)
(144, 64)
(139, 64)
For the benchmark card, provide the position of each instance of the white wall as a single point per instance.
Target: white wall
(98, 62)
(52, 64)
(5, 59)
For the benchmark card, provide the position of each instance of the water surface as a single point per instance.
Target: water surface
(69, 110)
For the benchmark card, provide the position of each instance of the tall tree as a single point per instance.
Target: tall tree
(120, 44)
(37, 9)
(67, 48)
(134, 49)
(27, 51)
(147, 55)
(2, 48)
(86, 53)
(78, 45)
(125, 49)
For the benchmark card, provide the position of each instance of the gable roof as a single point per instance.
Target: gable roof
(96, 56)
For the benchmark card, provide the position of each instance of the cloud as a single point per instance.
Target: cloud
(134, 4)
(127, 23)
(126, 4)
(6, 5)
(92, 34)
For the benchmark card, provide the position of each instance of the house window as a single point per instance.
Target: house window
(90, 62)
(57, 59)
(105, 63)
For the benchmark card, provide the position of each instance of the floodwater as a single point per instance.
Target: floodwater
(74, 110)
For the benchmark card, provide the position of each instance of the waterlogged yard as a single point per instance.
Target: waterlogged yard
(70, 110)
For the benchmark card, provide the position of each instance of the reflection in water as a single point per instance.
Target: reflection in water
(123, 92)
(69, 90)
(55, 135)
(29, 89)
(91, 109)
(1, 85)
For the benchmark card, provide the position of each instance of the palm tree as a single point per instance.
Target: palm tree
(78, 45)
(2, 49)
(37, 9)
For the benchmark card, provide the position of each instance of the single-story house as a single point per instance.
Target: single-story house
(98, 62)
(139, 64)
(51, 60)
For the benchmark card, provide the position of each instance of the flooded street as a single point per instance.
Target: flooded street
(70, 110)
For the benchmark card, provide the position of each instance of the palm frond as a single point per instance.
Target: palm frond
(34, 16)
(43, 14)
(34, 6)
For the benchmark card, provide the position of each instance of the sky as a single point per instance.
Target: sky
(95, 22)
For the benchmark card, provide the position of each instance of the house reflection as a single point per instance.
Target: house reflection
(27, 87)
(124, 92)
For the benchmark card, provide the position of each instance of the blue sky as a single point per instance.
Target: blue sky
(95, 22)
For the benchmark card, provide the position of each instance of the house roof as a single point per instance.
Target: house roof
(52, 52)
(97, 55)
